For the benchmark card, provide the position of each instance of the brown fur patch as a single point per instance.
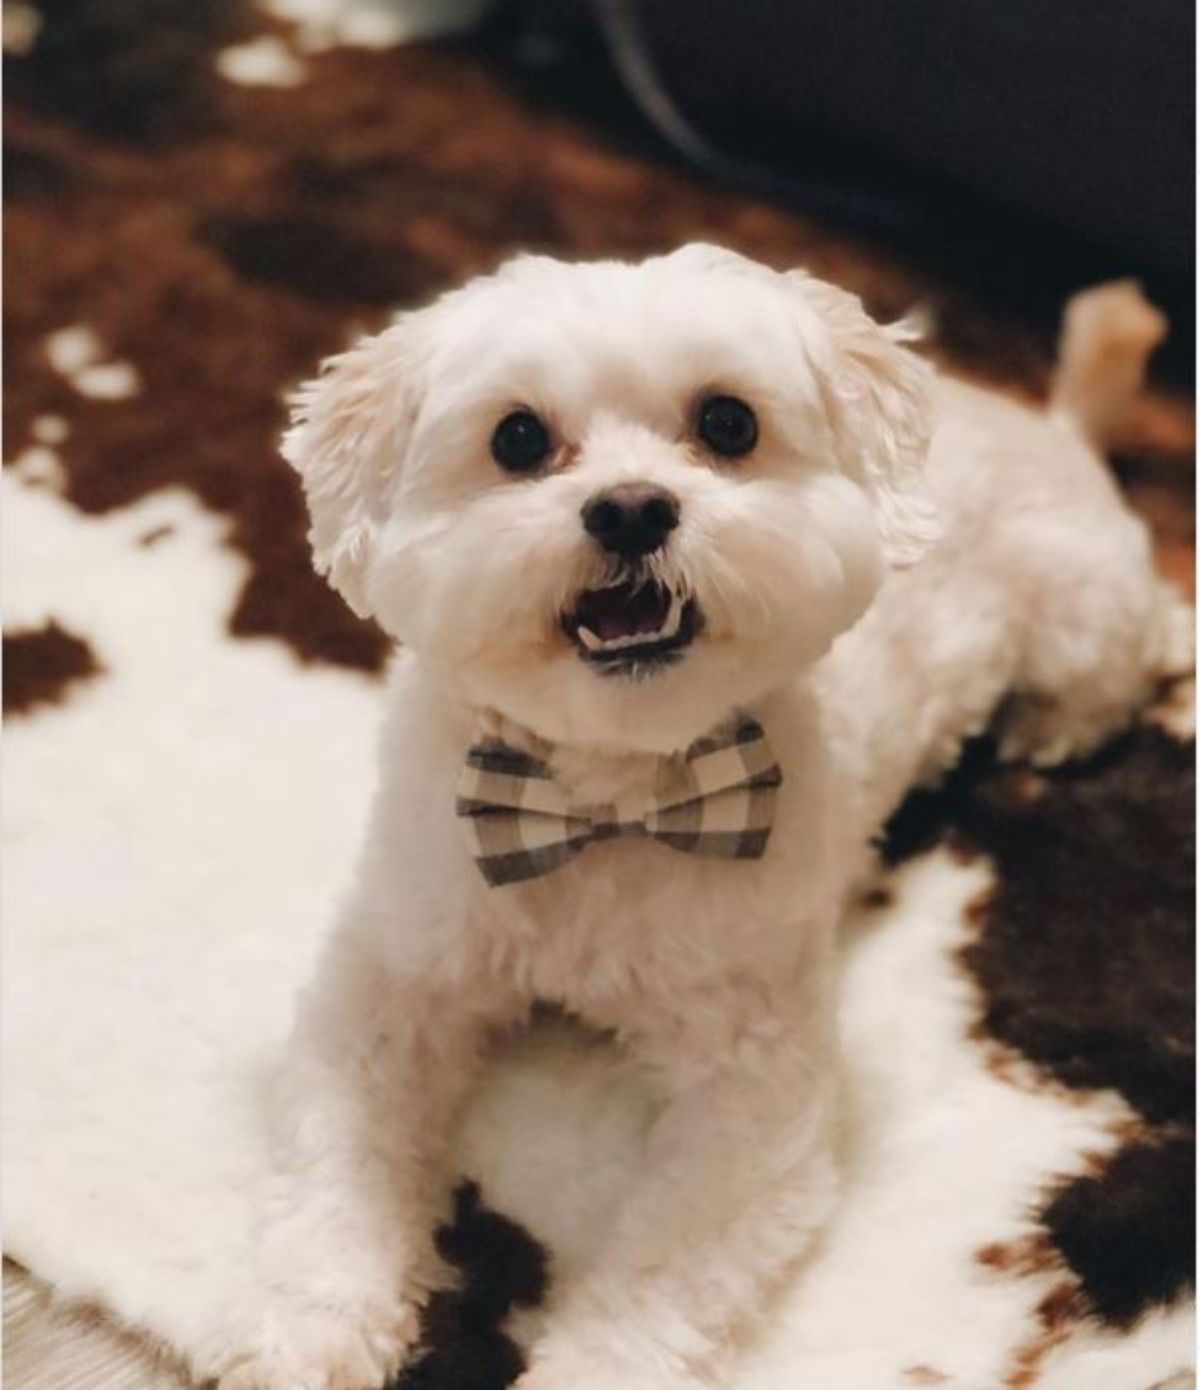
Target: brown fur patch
(1032, 1254)
(41, 665)
(136, 69)
(1086, 959)
(1127, 1228)
(876, 899)
(925, 1375)
(1027, 1361)
(1058, 1312)
(155, 535)
(1151, 480)
(499, 1267)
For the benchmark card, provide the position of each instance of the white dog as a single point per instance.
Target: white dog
(696, 571)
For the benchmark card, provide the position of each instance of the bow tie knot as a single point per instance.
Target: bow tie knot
(717, 798)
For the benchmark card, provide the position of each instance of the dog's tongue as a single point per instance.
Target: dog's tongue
(624, 611)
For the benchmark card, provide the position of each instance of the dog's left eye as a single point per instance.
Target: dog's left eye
(520, 442)
(727, 425)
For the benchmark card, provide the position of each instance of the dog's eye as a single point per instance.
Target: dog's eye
(520, 442)
(727, 425)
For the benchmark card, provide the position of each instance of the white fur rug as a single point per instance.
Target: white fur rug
(176, 831)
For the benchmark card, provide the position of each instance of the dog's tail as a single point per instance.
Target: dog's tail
(1108, 334)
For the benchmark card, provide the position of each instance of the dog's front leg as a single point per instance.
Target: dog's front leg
(738, 1179)
(377, 1064)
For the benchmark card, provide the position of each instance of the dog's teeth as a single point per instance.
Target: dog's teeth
(633, 639)
(666, 630)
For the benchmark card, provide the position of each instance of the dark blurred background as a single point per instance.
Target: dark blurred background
(1028, 148)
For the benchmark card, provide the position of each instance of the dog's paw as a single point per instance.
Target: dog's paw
(307, 1346)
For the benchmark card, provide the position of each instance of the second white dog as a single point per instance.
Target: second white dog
(688, 601)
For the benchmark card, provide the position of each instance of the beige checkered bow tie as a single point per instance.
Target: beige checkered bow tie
(718, 798)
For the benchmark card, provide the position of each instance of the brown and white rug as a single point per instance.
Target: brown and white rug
(204, 199)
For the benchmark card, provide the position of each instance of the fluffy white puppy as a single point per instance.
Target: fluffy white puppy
(608, 511)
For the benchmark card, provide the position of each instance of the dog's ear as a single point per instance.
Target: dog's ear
(349, 430)
(878, 398)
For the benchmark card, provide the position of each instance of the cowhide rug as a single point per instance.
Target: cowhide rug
(203, 199)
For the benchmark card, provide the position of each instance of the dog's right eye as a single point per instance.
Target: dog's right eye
(520, 442)
(727, 425)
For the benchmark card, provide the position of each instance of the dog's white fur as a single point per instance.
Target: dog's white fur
(870, 595)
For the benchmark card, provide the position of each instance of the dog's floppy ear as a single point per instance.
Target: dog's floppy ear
(878, 398)
(348, 434)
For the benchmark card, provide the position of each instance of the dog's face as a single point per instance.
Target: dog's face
(614, 502)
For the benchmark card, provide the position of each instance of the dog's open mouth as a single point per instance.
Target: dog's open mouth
(631, 625)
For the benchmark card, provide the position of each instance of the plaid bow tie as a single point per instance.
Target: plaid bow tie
(717, 798)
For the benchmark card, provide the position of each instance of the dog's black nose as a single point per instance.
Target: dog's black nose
(632, 519)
